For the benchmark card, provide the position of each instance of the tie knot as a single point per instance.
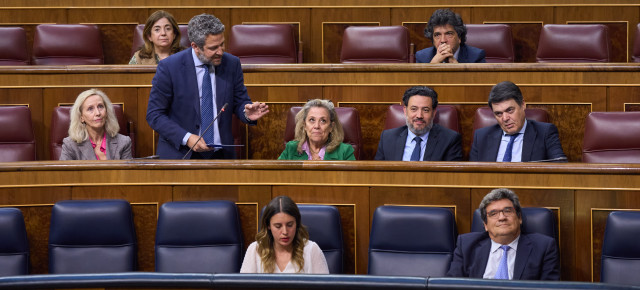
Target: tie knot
(417, 139)
(505, 248)
(514, 136)
(206, 67)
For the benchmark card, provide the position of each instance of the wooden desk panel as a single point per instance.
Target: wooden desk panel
(575, 191)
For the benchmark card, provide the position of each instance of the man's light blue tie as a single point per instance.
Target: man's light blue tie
(206, 110)
(415, 156)
(508, 152)
(503, 267)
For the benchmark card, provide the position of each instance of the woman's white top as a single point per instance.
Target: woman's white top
(314, 261)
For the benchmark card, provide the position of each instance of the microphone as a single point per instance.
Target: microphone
(557, 159)
(205, 130)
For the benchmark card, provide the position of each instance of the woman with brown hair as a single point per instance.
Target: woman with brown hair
(161, 39)
(282, 245)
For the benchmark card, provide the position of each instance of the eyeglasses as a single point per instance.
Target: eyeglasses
(507, 211)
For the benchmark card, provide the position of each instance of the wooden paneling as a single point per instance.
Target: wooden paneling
(299, 18)
(330, 38)
(592, 208)
(332, 34)
(456, 198)
(267, 139)
(623, 99)
(574, 191)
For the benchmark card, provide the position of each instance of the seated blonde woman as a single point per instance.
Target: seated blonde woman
(161, 39)
(318, 135)
(93, 130)
(283, 245)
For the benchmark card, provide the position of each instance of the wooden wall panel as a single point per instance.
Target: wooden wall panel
(456, 198)
(117, 40)
(512, 13)
(33, 15)
(145, 137)
(322, 16)
(563, 200)
(145, 201)
(33, 99)
(355, 232)
(300, 18)
(621, 97)
(627, 16)
(591, 210)
(249, 199)
(266, 140)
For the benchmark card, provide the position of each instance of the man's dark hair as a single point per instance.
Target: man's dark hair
(422, 91)
(504, 91)
(443, 17)
(498, 194)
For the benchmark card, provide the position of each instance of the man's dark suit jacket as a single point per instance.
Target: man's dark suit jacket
(468, 54)
(174, 102)
(536, 257)
(541, 142)
(443, 144)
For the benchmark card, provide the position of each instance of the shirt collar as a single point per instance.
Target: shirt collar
(513, 245)
(524, 127)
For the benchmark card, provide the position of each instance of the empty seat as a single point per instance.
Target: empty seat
(446, 116)
(13, 47)
(325, 229)
(14, 246)
(60, 120)
(264, 43)
(495, 39)
(534, 220)
(636, 45)
(349, 118)
(92, 236)
(574, 43)
(138, 38)
(67, 44)
(199, 237)
(484, 117)
(17, 141)
(620, 249)
(611, 137)
(376, 44)
(411, 241)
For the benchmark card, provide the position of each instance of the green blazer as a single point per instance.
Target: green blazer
(343, 152)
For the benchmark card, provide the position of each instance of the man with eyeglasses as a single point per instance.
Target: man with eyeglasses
(503, 251)
(448, 35)
(420, 139)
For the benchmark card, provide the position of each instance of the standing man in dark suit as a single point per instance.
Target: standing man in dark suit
(448, 35)
(514, 138)
(503, 251)
(189, 89)
(420, 139)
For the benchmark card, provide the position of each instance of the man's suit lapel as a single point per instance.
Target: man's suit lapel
(484, 247)
(398, 150)
(462, 56)
(522, 255)
(221, 86)
(493, 144)
(432, 143)
(190, 77)
(528, 141)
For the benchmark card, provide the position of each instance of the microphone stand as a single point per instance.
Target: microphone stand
(205, 130)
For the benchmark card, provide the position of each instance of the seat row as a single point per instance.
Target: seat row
(98, 236)
(75, 44)
(610, 137)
